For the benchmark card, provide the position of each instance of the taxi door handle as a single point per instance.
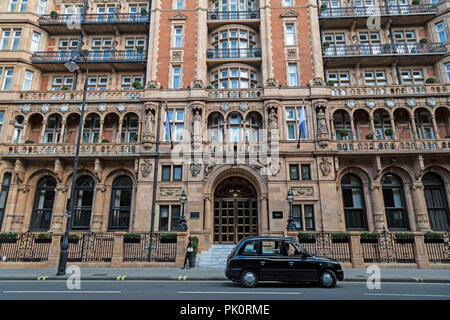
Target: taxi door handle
(291, 263)
(262, 262)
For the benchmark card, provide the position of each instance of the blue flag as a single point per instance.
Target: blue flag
(302, 123)
(167, 128)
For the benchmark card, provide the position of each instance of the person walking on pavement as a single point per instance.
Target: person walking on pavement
(189, 253)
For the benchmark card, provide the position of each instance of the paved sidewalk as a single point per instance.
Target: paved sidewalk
(387, 275)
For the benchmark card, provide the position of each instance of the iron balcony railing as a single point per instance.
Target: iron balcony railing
(95, 56)
(378, 10)
(109, 18)
(233, 15)
(238, 53)
(383, 49)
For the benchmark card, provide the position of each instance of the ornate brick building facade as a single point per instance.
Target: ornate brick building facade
(233, 78)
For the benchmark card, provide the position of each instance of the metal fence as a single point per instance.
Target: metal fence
(105, 18)
(324, 244)
(383, 49)
(138, 250)
(91, 247)
(368, 11)
(438, 250)
(26, 248)
(388, 249)
(95, 56)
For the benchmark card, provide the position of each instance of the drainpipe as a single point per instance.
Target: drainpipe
(155, 182)
(148, 41)
(397, 68)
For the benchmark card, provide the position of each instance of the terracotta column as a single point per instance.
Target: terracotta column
(352, 126)
(101, 130)
(97, 223)
(120, 132)
(394, 131)
(420, 206)
(42, 134)
(63, 131)
(333, 137)
(59, 209)
(435, 128)
(413, 124)
(378, 209)
(420, 252)
(372, 126)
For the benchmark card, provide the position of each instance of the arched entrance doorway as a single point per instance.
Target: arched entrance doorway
(235, 210)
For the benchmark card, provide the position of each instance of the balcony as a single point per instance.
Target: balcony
(391, 146)
(70, 96)
(98, 60)
(404, 53)
(51, 150)
(219, 18)
(234, 94)
(391, 90)
(400, 15)
(247, 55)
(95, 23)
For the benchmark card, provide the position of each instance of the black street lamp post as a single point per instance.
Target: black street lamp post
(72, 66)
(290, 222)
(183, 226)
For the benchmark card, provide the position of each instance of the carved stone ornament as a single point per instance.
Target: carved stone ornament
(350, 104)
(153, 84)
(390, 103)
(45, 108)
(448, 100)
(17, 219)
(411, 102)
(431, 102)
(417, 185)
(325, 166)
(167, 192)
(177, 55)
(26, 108)
(121, 108)
(271, 82)
(146, 167)
(370, 104)
(102, 107)
(64, 108)
(318, 81)
(274, 167)
(24, 187)
(100, 187)
(57, 219)
(197, 84)
(291, 53)
(302, 191)
(97, 219)
(224, 107)
(195, 168)
(209, 167)
(244, 106)
(61, 188)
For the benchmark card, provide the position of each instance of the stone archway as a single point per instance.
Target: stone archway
(235, 210)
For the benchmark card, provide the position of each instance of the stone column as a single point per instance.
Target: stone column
(54, 252)
(120, 132)
(420, 252)
(42, 134)
(420, 206)
(138, 138)
(26, 129)
(59, 210)
(435, 127)
(414, 128)
(117, 256)
(11, 205)
(100, 134)
(377, 204)
(316, 47)
(97, 224)
(356, 251)
(202, 39)
(263, 216)
(333, 136)
(394, 131)
(63, 131)
(181, 248)
(372, 126)
(352, 127)
(209, 213)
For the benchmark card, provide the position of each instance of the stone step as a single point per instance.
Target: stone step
(215, 257)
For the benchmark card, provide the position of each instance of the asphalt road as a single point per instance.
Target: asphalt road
(217, 290)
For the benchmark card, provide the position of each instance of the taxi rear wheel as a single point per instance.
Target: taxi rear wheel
(327, 279)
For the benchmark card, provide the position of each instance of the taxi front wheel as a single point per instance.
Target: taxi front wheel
(249, 278)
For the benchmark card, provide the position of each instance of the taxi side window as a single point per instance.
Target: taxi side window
(271, 247)
(291, 250)
(250, 248)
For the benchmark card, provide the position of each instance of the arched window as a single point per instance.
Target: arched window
(253, 124)
(216, 128)
(120, 210)
(353, 199)
(84, 196)
(43, 204)
(130, 128)
(235, 127)
(18, 129)
(4, 195)
(435, 198)
(53, 129)
(424, 124)
(394, 202)
(91, 130)
(382, 122)
(230, 9)
(342, 126)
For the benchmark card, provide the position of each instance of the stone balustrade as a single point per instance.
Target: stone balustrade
(390, 145)
(419, 89)
(69, 95)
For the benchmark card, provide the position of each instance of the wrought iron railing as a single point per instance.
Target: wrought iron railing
(392, 145)
(387, 249)
(91, 247)
(138, 250)
(383, 49)
(95, 56)
(237, 53)
(378, 11)
(233, 15)
(324, 244)
(108, 18)
(26, 247)
(438, 250)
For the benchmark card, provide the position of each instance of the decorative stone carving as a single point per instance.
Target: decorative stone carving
(197, 84)
(318, 81)
(167, 192)
(26, 108)
(121, 108)
(322, 127)
(57, 219)
(370, 104)
(177, 55)
(64, 108)
(271, 82)
(350, 104)
(244, 106)
(60, 187)
(390, 103)
(45, 108)
(100, 187)
(417, 185)
(291, 53)
(325, 166)
(153, 84)
(411, 102)
(178, 16)
(149, 122)
(17, 219)
(375, 186)
(97, 219)
(146, 167)
(209, 167)
(24, 187)
(102, 107)
(302, 191)
(273, 167)
(431, 102)
(195, 168)
(224, 107)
